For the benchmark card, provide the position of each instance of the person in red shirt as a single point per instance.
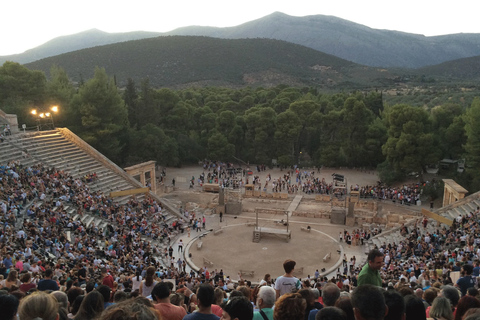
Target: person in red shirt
(107, 278)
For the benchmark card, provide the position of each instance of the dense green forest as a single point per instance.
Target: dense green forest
(301, 126)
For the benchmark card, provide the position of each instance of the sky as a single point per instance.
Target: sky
(26, 24)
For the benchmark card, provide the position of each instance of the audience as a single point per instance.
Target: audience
(36, 254)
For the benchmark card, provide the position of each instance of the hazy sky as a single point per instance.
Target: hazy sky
(25, 24)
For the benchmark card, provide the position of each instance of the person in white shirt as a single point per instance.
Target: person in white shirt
(413, 278)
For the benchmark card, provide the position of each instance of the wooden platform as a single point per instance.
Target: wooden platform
(257, 233)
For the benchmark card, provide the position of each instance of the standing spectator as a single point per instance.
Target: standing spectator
(287, 283)
(370, 271)
(467, 280)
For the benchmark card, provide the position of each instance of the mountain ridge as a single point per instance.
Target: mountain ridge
(339, 37)
(176, 61)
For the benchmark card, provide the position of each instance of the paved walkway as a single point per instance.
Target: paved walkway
(294, 204)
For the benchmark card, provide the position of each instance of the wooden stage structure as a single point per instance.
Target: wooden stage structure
(258, 231)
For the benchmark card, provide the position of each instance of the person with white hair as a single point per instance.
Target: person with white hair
(265, 301)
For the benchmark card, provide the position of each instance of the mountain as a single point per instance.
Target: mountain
(466, 69)
(86, 39)
(350, 41)
(176, 61)
(332, 35)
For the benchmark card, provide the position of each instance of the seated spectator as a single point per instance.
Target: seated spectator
(161, 298)
(75, 306)
(473, 292)
(265, 302)
(72, 295)
(345, 303)
(290, 306)
(368, 303)
(414, 308)
(38, 305)
(9, 306)
(27, 284)
(106, 293)
(307, 294)
(220, 296)
(130, 309)
(330, 294)
(441, 309)
(472, 314)
(120, 296)
(61, 298)
(465, 303)
(47, 283)
(395, 304)
(205, 296)
(428, 296)
(331, 313)
(91, 306)
(239, 308)
(11, 282)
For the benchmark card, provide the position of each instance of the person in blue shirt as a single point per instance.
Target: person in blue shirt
(7, 262)
(476, 269)
(48, 283)
(467, 280)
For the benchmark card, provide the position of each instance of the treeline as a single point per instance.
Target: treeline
(292, 125)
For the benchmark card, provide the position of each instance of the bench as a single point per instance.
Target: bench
(199, 245)
(207, 262)
(327, 257)
(217, 231)
(251, 224)
(249, 272)
(306, 229)
(299, 270)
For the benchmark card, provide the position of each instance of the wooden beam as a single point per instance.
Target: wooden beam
(128, 192)
(437, 217)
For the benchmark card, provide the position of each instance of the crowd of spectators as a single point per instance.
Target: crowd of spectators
(54, 266)
(407, 194)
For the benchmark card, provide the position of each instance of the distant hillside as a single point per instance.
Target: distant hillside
(82, 40)
(465, 69)
(184, 61)
(350, 41)
(339, 37)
